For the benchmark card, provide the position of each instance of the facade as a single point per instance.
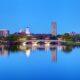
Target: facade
(73, 34)
(24, 32)
(4, 33)
(27, 31)
(54, 28)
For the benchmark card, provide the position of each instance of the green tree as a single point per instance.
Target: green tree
(67, 37)
(12, 38)
(2, 38)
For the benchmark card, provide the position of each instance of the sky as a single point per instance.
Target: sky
(39, 14)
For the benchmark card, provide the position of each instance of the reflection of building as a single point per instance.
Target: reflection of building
(60, 48)
(4, 32)
(28, 52)
(54, 55)
(26, 49)
(22, 47)
(54, 26)
(3, 51)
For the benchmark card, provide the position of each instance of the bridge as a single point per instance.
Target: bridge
(43, 41)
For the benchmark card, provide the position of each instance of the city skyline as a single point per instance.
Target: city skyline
(27, 30)
(39, 39)
(39, 14)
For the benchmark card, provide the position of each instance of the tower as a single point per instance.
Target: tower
(54, 26)
(27, 31)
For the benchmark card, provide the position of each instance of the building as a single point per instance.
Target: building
(54, 28)
(73, 34)
(4, 33)
(27, 31)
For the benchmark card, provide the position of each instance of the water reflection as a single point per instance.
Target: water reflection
(67, 49)
(28, 51)
(7, 49)
(3, 50)
(54, 55)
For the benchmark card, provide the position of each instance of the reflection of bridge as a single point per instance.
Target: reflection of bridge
(28, 49)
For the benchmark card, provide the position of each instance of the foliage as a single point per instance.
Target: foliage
(53, 37)
(40, 37)
(12, 38)
(67, 37)
(28, 37)
(2, 38)
(59, 36)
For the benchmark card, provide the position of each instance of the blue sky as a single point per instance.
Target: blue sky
(38, 15)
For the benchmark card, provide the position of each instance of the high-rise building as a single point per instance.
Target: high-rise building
(4, 33)
(54, 28)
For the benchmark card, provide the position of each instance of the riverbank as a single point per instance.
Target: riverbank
(71, 43)
(66, 43)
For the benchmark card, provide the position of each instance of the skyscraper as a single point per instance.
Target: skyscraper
(54, 28)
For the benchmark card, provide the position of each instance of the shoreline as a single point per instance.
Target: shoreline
(71, 43)
(66, 43)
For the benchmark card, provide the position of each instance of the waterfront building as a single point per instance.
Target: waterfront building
(3, 51)
(73, 33)
(27, 31)
(54, 28)
(4, 33)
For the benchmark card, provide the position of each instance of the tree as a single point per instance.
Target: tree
(53, 37)
(12, 38)
(2, 38)
(67, 37)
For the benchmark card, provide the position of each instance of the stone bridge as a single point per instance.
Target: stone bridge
(43, 41)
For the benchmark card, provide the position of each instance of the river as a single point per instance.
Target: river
(39, 63)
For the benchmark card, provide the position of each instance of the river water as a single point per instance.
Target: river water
(39, 63)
